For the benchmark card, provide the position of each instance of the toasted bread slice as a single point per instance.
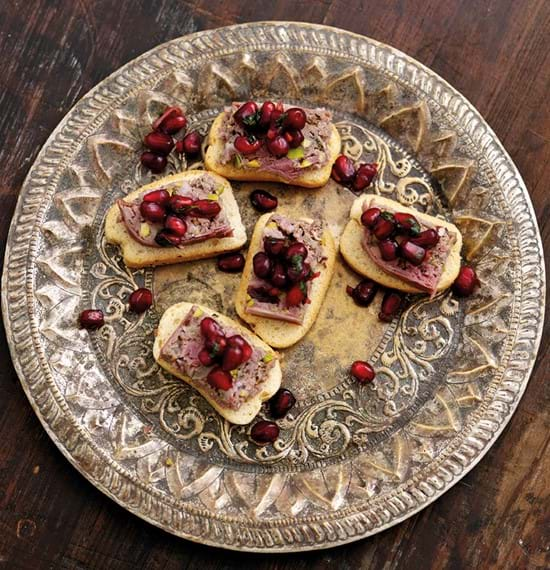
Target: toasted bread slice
(170, 321)
(352, 250)
(137, 255)
(311, 178)
(281, 334)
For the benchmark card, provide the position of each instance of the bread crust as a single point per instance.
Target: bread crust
(137, 255)
(172, 318)
(357, 258)
(313, 178)
(281, 334)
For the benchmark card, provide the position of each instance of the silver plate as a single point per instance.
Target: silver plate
(351, 460)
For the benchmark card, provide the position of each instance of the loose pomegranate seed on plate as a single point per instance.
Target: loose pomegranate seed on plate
(231, 262)
(343, 169)
(466, 282)
(364, 176)
(91, 319)
(190, 144)
(154, 162)
(281, 403)
(152, 212)
(391, 303)
(161, 197)
(264, 432)
(174, 124)
(170, 112)
(140, 300)
(362, 371)
(219, 379)
(363, 293)
(159, 143)
(263, 201)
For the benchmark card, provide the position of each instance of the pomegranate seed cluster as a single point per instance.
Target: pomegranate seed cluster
(160, 141)
(159, 206)
(357, 179)
(269, 126)
(282, 264)
(399, 235)
(224, 353)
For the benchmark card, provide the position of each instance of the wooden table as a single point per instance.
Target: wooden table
(497, 54)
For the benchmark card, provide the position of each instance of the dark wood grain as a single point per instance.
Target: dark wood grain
(497, 54)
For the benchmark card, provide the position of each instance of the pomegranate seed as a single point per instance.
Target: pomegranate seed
(216, 345)
(343, 169)
(278, 146)
(264, 294)
(154, 162)
(205, 209)
(176, 226)
(281, 403)
(388, 249)
(247, 145)
(159, 142)
(265, 113)
(190, 144)
(298, 271)
(219, 379)
(264, 432)
(277, 115)
(204, 357)
(231, 262)
(262, 265)
(174, 124)
(232, 358)
(273, 132)
(274, 247)
(91, 319)
(210, 328)
(364, 176)
(407, 224)
(427, 238)
(152, 212)
(384, 227)
(295, 118)
(412, 252)
(391, 303)
(246, 114)
(362, 371)
(140, 300)
(370, 216)
(294, 138)
(238, 340)
(166, 239)
(263, 201)
(279, 277)
(466, 282)
(364, 292)
(168, 113)
(295, 295)
(297, 249)
(180, 204)
(160, 197)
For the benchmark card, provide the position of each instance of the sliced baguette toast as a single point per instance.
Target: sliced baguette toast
(311, 178)
(352, 250)
(170, 321)
(276, 333)
(138, 255)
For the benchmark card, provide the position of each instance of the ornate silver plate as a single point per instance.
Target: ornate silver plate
(351, 460)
